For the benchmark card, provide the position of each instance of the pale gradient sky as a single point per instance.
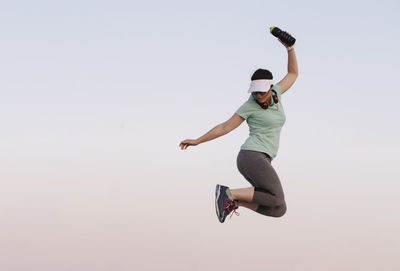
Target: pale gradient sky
(97, 95)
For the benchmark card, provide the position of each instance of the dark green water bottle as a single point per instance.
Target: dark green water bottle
(284, 37)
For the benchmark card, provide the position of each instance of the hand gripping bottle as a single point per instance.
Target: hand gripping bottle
(284, 37)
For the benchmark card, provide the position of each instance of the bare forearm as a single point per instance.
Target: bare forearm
(215, 132)
(292, 62)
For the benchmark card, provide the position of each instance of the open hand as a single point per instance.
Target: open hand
(188, 142)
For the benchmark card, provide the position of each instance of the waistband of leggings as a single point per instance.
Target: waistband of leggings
(264, 153)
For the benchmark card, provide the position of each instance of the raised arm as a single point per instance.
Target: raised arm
(293, 71)
(217, 131)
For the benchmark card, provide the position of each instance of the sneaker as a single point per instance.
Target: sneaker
(224, 203)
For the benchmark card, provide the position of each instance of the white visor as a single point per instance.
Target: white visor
(261, 85)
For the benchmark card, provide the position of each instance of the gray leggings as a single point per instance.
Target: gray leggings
(268, 194)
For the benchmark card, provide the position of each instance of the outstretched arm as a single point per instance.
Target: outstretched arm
(217, 131)
(293, 71)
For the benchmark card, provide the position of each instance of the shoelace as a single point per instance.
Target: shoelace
(230, 203)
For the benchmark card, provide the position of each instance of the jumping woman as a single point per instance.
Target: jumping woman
(264, 114)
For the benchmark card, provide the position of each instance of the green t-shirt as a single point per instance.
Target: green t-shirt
(264, 124)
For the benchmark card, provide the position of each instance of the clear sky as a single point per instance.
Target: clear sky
(97, 95)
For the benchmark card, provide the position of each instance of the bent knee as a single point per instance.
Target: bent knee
(278, 201)
(280, 210)
(277, 211)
